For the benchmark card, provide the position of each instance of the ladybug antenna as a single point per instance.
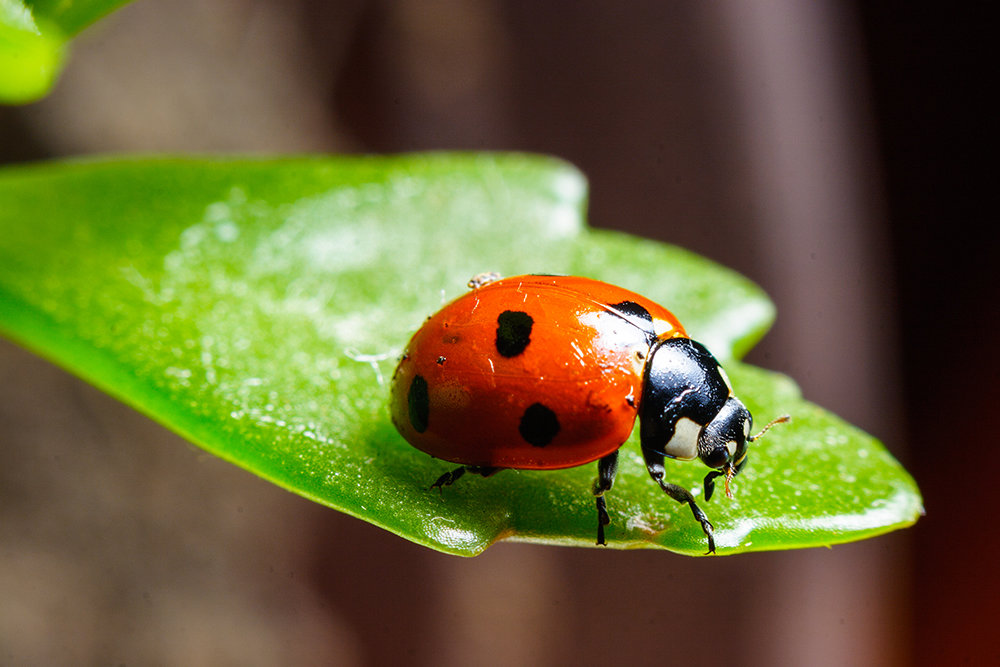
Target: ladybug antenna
(730, 473)
(780, 420)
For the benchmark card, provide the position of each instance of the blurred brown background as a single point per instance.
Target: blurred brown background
(828, 150)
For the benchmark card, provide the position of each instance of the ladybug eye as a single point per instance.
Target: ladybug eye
(716, 458)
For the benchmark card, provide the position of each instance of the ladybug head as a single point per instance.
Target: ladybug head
(723, 443)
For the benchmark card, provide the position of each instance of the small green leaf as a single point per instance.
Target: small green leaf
(72, 16)
(257, 307)
(33, 42)
(30, 59)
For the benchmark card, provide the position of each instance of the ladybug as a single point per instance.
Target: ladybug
(542, 372)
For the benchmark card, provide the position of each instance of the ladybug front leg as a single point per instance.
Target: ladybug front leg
(654, 464)
(607, 468)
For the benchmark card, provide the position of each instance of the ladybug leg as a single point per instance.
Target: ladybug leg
(654, 464)
(607, 468)
(451, 477)
(710, 483)
(448, 478)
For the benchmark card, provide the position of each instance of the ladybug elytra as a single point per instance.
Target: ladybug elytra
(545, 372)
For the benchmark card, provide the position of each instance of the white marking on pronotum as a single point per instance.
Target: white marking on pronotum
(684, 444)
(725, 377)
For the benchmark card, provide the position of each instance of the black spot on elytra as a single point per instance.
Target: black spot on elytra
(539, 425)
(632, 309)
(419, 403)
(635, 315)
(513, 332)
(440, 361)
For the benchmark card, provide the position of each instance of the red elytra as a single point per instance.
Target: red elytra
(529, 372)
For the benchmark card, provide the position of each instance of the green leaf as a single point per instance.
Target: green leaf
(257, 307)
(72, 16)
(33, 42)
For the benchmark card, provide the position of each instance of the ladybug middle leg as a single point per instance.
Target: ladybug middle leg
(654, 464)
(451, 477)
(607, 468)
